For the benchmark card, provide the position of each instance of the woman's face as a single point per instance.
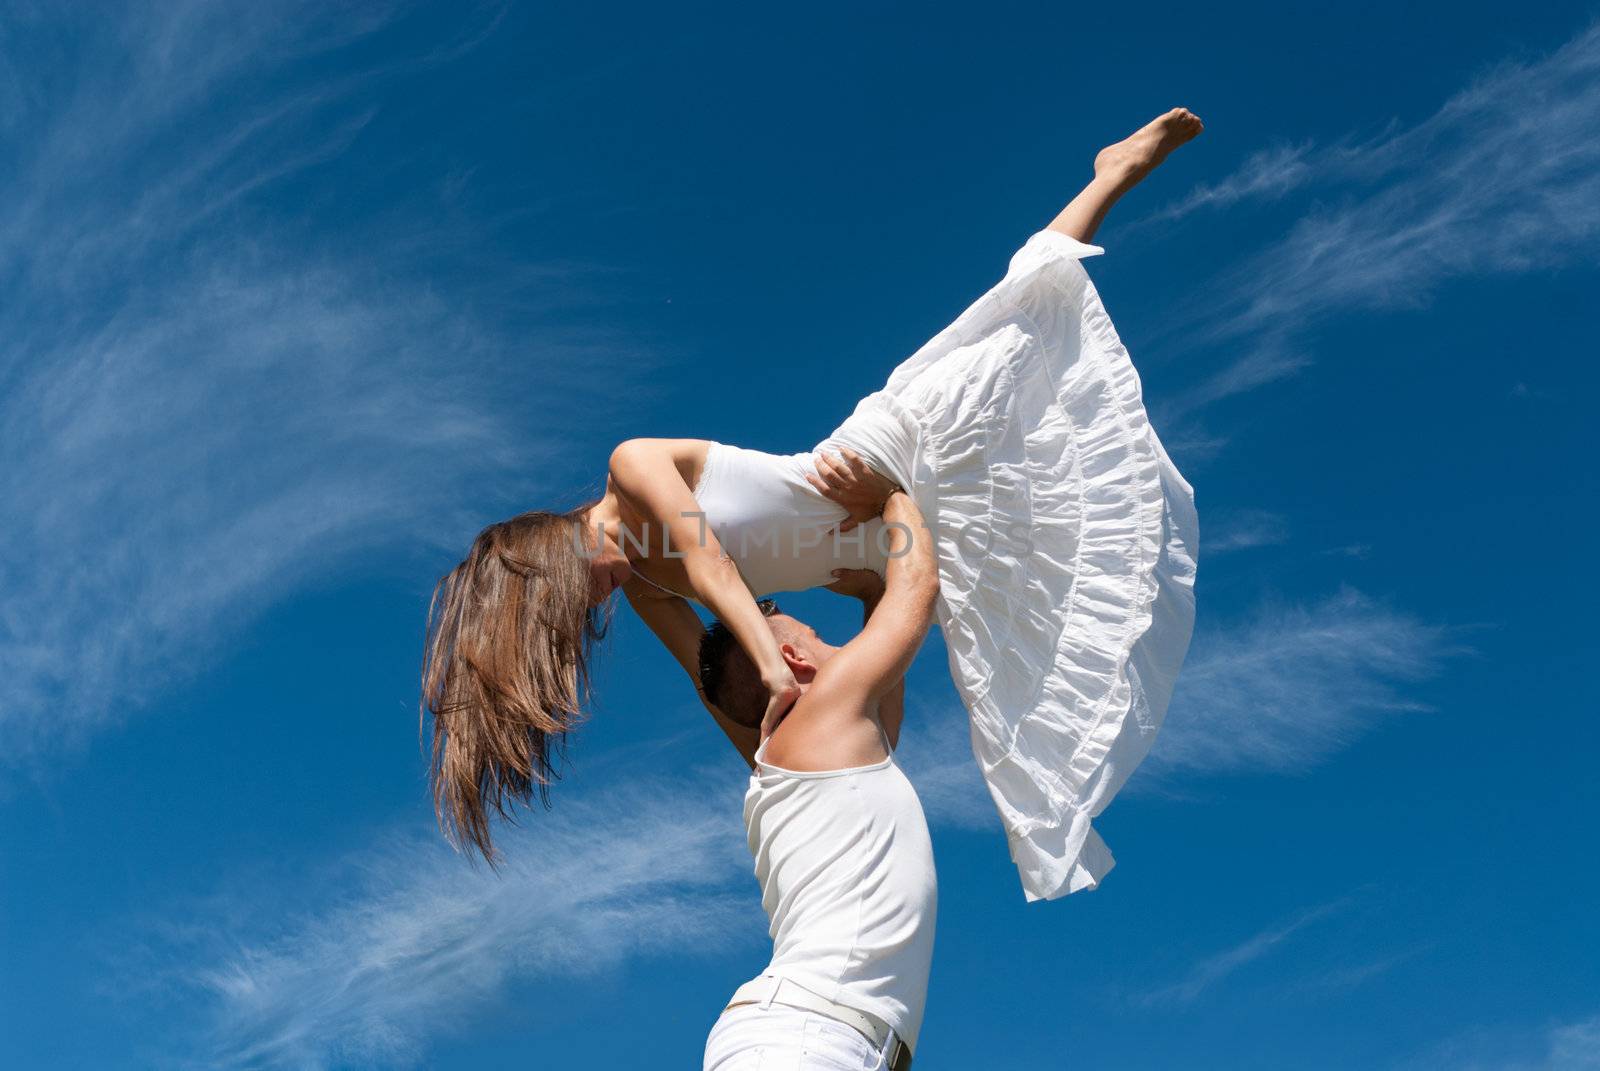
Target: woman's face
(608, 568)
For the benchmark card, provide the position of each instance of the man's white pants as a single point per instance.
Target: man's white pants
(786, 1039)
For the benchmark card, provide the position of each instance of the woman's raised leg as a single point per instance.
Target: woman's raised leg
(1119, 168)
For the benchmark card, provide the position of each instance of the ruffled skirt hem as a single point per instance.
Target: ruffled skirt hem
(1067, 548)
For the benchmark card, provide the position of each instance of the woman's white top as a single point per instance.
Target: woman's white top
(783, 534)
(1067, 544)
(847, 880)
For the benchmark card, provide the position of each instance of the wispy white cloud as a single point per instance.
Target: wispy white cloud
(1267, 174)
(1213, 969)
(1271, 356)
(936, 752)
(1573, 1045)
(1350, 975)
(1294, 684)
(1228, 531)
(1504, 178)
(411, 939)
(1277, 692)
(202, 409)
(415, 940)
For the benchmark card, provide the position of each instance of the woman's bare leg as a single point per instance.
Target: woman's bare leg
(1119, 168)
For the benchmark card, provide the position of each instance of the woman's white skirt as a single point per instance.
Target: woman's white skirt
(1067, 544)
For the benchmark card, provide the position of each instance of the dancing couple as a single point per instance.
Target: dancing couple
(1007, 477)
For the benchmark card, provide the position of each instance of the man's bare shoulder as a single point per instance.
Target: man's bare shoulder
(830, 728)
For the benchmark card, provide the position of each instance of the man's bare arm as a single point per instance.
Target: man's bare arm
(868, 586)
(678, 628)
(874, 663)
(837, 723)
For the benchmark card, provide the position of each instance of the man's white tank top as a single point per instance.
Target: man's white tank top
(847, 880)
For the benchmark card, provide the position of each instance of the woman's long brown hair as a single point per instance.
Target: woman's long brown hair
(506, 669)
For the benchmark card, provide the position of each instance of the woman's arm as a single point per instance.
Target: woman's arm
(678, 628)
(645, 473)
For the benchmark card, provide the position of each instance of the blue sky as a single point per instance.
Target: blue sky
(292, 302)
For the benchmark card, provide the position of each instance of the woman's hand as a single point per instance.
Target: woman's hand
(848, 480)
(783, 691)
(863, 584)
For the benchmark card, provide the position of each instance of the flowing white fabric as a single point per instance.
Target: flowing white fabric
(1066, 541)
(1067, 547)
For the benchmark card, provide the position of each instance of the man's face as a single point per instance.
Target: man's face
(803, 638)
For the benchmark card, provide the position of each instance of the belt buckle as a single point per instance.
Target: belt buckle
(899, 1055)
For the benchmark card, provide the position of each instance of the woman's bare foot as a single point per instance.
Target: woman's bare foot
(1118, 168)
(1134, 157)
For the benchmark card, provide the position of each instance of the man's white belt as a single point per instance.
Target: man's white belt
(767, 990)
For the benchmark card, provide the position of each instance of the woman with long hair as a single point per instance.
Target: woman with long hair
(1066, 541)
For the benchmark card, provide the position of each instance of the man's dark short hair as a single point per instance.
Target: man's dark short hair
(728, 678)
